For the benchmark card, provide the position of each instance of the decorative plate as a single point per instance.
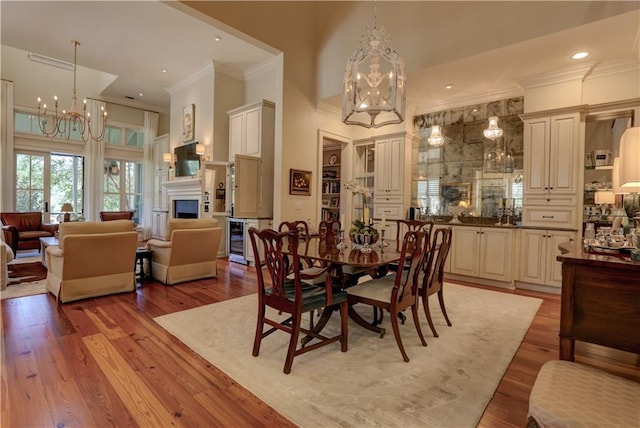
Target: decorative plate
(333, 159)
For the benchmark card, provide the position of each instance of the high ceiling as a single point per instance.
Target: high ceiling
(131, 42)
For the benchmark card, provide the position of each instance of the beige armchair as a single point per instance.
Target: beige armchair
(189, 254)
(92, 259)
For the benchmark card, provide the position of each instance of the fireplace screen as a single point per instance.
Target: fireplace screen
(185, 208)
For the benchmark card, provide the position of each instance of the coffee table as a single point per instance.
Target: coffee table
(44, 243)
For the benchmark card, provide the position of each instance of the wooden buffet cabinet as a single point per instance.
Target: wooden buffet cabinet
(600, 300)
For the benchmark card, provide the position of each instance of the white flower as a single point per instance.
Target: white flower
(356, 188)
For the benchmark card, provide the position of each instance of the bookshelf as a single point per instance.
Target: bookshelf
(331, 183)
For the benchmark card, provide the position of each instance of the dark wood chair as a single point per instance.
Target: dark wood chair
(394, 293)
(432, 276)
(116, 215)
(290, 296)
(329, 230)
(404, 226)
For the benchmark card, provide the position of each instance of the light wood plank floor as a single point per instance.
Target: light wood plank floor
(104, 362)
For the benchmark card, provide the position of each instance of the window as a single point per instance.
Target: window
(28, 124)
(133, 137)
(430, 166)
(123, 187)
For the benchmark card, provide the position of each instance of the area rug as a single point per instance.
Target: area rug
(446, 384)
(26, 277)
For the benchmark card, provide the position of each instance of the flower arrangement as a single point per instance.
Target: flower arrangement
(358, 189)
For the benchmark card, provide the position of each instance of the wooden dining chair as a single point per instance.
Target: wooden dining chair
(432, 276)
(307, 266)
(394, 293)
(404, 226)
(290, 296)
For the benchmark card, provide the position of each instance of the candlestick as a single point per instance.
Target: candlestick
(365, 215)
(384, 221)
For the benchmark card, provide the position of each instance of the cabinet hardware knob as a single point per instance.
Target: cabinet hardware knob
(548, 216)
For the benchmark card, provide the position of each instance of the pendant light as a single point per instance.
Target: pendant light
(374, 92)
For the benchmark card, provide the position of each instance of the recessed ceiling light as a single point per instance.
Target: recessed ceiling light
(141, 94)
(448, 86)
(164, 70)
(580, 55)
(217, 38)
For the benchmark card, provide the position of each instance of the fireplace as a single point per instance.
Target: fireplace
(185, 208)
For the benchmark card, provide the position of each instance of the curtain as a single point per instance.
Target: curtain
(7, 181)
(150, 133)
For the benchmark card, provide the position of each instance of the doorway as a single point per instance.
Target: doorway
(46, 181)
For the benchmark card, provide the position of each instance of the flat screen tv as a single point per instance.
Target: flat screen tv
(187, 161)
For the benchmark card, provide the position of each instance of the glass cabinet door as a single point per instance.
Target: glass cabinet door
(364, 169)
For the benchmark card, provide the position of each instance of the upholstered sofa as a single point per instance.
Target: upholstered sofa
(92, 259)
(22, 231)
(189, 254)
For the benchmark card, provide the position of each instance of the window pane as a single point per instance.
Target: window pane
(111, 202)
(113, 135)
(112, 176)
(22, 122)
(135, 138)
(22, 200)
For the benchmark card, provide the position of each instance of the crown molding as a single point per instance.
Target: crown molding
(328, 109)
(228, 70)
(206, 69)
(468, 101)
(577, 72)
(614, 67)
(263, 67)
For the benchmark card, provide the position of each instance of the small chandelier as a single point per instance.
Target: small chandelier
(72, 121)
(374, 92)
(436, 139)
(493, 132)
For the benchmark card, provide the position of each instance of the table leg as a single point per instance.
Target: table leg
(363, 323)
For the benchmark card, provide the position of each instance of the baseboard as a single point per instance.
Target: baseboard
(481, 281)
(537, 287)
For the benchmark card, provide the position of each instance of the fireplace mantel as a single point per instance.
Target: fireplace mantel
(186, 189)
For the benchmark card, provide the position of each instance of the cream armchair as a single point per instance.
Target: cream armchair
(92, 259)
(190, 253)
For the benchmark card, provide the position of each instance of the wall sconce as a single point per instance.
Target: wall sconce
(167, 157)
(630, 158)
(199, 149)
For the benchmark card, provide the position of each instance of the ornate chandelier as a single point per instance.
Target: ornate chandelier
(436, 139)
(493, 132)
(374, 93)
(66, 123)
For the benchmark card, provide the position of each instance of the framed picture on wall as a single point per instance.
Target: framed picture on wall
(299, 182)
(188, 122)
(454, 193)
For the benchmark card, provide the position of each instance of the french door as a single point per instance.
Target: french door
(45, 181)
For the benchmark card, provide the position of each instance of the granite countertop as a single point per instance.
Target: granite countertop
(491, 222)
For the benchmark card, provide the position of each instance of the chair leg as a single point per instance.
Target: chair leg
(293, 342)
(396, 332)
(444, 311)
(258, 339)
(427, 313)
(416, 322)
(344, 334)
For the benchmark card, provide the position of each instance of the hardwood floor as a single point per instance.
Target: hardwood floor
(105, 362)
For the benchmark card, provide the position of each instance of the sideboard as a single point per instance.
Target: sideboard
(600, 300)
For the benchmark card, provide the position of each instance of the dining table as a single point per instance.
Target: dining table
(346, 265)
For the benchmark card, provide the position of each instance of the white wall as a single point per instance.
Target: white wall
(198, 90)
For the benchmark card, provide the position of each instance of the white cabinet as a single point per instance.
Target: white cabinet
(251, 151)
(159, 200)
(159, 147)
(482, 252)
(538, 252)
(251, 127)
(551, 165)
(159, 225)
(389, 170)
